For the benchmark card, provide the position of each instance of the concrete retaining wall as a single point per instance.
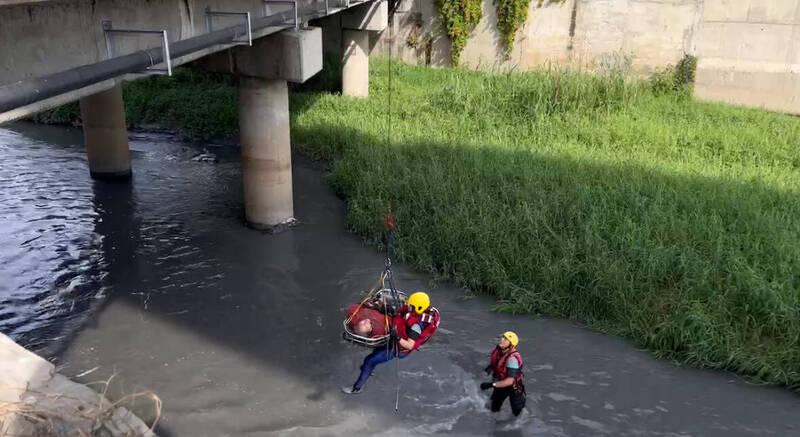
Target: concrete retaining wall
(748, 50)
(579, 33)
(749, 54)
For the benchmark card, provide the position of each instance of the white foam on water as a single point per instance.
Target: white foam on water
(558, 397)
(591, 424)
(536, 367)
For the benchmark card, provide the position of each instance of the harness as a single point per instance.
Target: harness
(407, 318)
(498, 363)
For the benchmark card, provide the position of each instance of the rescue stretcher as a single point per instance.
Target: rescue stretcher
(390, 302)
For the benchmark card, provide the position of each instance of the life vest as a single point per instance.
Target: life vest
(498, 364)
(407, 317)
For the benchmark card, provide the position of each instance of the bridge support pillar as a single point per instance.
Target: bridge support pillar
(355, 63)
(266, 151)
(263, 72)
(105, 134)
(357, 23)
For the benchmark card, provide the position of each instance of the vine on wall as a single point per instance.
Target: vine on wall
(511, 15)
(459, 17)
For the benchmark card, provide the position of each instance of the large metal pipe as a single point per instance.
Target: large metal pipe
(26, 92)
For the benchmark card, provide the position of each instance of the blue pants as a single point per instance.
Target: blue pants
(378, 356)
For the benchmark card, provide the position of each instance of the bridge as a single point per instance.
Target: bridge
(56, 52)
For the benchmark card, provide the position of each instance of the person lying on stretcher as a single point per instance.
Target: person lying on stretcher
(367, 321)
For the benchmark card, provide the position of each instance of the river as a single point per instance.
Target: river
(158, 282)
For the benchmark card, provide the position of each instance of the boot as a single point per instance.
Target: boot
(351, 390)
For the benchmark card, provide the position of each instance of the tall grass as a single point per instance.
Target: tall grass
(624, 205)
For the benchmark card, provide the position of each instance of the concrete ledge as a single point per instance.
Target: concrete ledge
(29, 387)
(372, 16)
(291, 55)
(20, 369)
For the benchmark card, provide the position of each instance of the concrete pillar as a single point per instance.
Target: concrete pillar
(106, 134)
(263, 70)
(266, 151)
(357, 22)
(355, 63)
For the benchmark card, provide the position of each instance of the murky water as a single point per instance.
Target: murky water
(158, 282)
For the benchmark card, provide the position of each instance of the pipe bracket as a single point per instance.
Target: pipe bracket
(109, 32)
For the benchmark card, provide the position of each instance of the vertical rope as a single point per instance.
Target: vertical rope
(389, 108)
(389, 144)
(397, 375)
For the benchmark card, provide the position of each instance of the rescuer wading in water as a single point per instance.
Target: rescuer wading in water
(505, 366)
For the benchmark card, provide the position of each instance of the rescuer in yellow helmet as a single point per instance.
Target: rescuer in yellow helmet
(414, 324)
(505, 366)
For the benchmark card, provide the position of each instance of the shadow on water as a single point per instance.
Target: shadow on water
(239, 332)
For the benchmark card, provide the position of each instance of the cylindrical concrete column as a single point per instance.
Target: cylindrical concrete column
(355, 63)
(266, 151)
(106, 134)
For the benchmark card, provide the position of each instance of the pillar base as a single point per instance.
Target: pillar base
(111, 176)
(273, 229)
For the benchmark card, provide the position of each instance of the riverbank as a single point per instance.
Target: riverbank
(626, 206)
(37, 401)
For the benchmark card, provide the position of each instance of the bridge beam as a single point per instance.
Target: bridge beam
(356, 24)
(106, 134)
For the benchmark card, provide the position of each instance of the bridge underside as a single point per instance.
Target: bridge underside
(83, 50)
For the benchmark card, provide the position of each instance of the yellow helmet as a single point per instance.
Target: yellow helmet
(419, 301)
(512, 338)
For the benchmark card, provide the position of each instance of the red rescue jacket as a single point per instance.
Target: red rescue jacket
(407, 317)
(498, 364)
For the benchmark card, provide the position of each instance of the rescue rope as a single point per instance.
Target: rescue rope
(377, 286)
(389, 216)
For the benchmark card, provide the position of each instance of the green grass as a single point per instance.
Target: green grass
(623, 205)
